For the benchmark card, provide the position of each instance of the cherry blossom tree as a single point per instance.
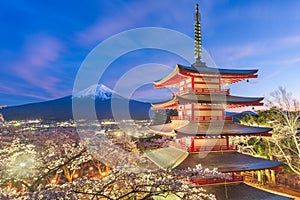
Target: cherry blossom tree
(286, 134)
(124, 183)
(31, 163)
(1, 116)
(284, 117)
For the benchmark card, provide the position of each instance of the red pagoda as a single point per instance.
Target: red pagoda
(201, 131)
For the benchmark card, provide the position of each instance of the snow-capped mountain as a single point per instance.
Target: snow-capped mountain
(62, 109)
(96, 91)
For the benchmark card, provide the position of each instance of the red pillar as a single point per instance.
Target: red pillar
(192, 149)
(192, 111)
(227, 142)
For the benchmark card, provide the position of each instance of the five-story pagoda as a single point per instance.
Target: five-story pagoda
(201, 131)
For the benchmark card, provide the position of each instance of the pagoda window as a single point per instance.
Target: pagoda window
(214, 144)
(207, 80)
(189, 113)
(208, 107)
(198, 113)
(188, 141)
(188, 106)
(206, 86)
(180, 115)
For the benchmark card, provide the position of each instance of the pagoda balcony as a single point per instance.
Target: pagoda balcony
(214, 148)
(178, 145)
(202, 148)
(203, 118)
(229, 118)
(203, 91)
(235, 177)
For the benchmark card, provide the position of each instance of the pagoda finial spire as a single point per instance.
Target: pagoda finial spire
(197, 39)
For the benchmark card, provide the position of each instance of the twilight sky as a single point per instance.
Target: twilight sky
(43, 44)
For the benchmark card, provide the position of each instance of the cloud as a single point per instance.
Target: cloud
(266, 52)
(4, 89)
(152, 95)
(134, 15)
(115, 23)
(150, 72)
(289, 40)
(236, 52)
(36, 63)
(283, 63)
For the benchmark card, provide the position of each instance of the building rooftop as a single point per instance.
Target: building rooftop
(231, 161)
(210, 70)
(212, 128)
(227, 161)
(217, 98)
(168, 129)
(241, 191)
(220, 128)
(190, 97)
(228, 76)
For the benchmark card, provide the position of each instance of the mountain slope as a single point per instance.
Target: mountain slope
(237, 116)
(61, 109)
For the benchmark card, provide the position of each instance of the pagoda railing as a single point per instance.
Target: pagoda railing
(203, 91)
(178, 145)
(203, 118)
(235, 177)
(229, 118)
(214, 148)
(203, 148)
(208, 118)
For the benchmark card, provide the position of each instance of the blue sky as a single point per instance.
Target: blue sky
(43, 44)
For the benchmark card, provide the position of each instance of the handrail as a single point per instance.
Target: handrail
(205, 181)
(214, 148)
(203, 118)
(202, 148)
(203, 90)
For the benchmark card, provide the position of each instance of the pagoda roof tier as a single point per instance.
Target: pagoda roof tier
(182, 128)
(230, 161)
(165, 104)
(220, 128)
(228, 76)
(173, 78)
(168, 129)
(241, 191)
(230, 101)
(210, 70)
(226, 161)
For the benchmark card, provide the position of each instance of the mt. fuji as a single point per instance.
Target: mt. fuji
(61, 109)
(96, 91)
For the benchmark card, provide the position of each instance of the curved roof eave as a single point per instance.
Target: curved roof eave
(220, 129)
(215, 98)
(210, 70)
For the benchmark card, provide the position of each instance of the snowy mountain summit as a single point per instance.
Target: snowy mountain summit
(96, 91)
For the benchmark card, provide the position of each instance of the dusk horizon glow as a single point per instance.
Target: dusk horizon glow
(43, 45)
